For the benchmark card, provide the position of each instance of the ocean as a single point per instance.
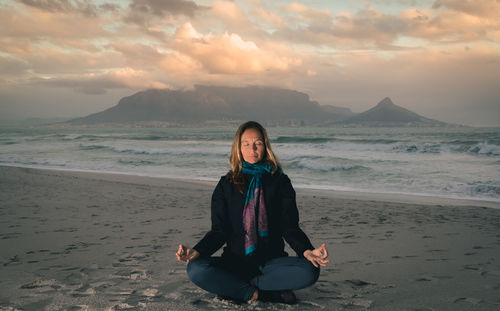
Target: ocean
(461, 163)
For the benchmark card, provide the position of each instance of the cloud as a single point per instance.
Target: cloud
(161, 7)
(449, 26)
(270, 19)
(99, 84)
(309, 15)
(228, 11)
(229, 53)
(176, 63)
(138, 55)
(147, 13)
(231, 15)
(51, 61)
(366, 28)
(481, 8)
(36, 25)
(228, 16)
(84, 7)
(11, 67)
(448, 21)
(369, 25)
(167, 63)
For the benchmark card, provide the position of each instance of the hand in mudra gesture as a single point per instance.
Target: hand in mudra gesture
(185, 254)
(317, 256)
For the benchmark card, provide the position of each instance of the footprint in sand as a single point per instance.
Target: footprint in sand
(424, 279)
(491, 273)
(42, 286)
(467, 300)
(442, 277)
(84, 291)
(9, 235)
(357, 302)
(436, 251)
(470, 253)
(123, 306)
(149, 292)
(78, 308)
(472, 267)
(358, 283)
(13, 261)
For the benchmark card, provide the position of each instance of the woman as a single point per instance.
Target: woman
(253, 209)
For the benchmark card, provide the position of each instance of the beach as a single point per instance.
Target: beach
(75, 240)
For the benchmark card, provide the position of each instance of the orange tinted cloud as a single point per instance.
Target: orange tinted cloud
(37, 24)
(229, 53)
(481, 8)
(450, 26)
(269, 18)
(446, 21)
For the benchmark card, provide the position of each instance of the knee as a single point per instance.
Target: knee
(310, 273)
(196, 270)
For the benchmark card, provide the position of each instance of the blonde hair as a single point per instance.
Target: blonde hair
(235, 175)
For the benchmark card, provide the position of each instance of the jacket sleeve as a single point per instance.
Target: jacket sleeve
(217, 236)
(291, 231)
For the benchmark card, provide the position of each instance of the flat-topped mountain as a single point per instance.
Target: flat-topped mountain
(208, 104)
(341, 111)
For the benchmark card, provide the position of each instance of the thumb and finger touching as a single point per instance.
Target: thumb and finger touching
(186, 254)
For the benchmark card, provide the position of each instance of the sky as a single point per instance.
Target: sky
(70, 58)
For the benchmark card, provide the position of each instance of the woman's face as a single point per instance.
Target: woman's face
(252, 146)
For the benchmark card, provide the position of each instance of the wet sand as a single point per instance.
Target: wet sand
(92, 241)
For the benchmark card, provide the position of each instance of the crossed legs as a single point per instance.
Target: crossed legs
(284, 273)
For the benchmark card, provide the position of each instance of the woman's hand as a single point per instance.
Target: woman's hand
(185, 254)
(317, 256)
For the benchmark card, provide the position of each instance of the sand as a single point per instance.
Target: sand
(92, 241)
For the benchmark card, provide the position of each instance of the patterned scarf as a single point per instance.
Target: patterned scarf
(254, 203)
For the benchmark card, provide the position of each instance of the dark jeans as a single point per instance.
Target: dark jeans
(284, 273)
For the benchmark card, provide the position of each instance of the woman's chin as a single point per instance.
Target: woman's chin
(254, 160)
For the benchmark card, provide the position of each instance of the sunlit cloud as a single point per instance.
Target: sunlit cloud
(229, 53)
(269, 19)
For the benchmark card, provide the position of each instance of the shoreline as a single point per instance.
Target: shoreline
(360, 195)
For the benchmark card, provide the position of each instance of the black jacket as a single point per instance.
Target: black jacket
(227, 222)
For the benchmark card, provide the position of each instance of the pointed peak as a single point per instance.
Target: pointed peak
(386, 102)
